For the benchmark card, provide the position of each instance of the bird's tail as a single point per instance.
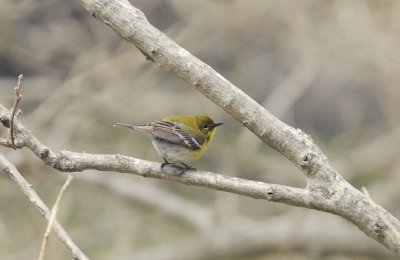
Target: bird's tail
(124, 125)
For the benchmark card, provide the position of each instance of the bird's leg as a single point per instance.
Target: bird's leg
(178, 170)
(187, 167)
(164, 163)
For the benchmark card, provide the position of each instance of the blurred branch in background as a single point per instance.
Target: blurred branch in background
(240, 238)
(27, 189)
(288, 92)
(54, 211)
(173, 205)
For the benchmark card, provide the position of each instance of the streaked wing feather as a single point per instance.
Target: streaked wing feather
(172, 132)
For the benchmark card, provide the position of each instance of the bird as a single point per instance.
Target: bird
(179, 139)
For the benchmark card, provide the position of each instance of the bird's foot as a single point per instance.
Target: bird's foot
(181, 168)
(187, 167)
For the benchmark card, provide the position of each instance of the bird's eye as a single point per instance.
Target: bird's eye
(205, 126)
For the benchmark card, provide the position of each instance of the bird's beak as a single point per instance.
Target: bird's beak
(214, 125)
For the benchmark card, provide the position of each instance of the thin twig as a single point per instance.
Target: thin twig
(14, 111)
(53, 215)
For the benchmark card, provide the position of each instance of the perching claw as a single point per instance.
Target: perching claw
(165, 163)
(187, 167)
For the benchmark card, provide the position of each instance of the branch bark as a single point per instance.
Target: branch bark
(326, 190)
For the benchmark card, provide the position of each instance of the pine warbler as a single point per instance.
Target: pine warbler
(179, 139)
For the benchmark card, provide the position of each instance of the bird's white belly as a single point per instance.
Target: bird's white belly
(174, 153)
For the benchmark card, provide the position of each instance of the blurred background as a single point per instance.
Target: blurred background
(330, 68)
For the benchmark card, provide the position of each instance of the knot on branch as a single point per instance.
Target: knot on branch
(44, 154)
(313, 164)
(270, 193)
(145, 54)
(310, 164)
(5, 121)
(379, 229)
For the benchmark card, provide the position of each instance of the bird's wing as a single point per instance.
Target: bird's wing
(171, 131)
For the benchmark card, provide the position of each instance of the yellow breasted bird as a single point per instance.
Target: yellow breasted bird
(179, 139)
